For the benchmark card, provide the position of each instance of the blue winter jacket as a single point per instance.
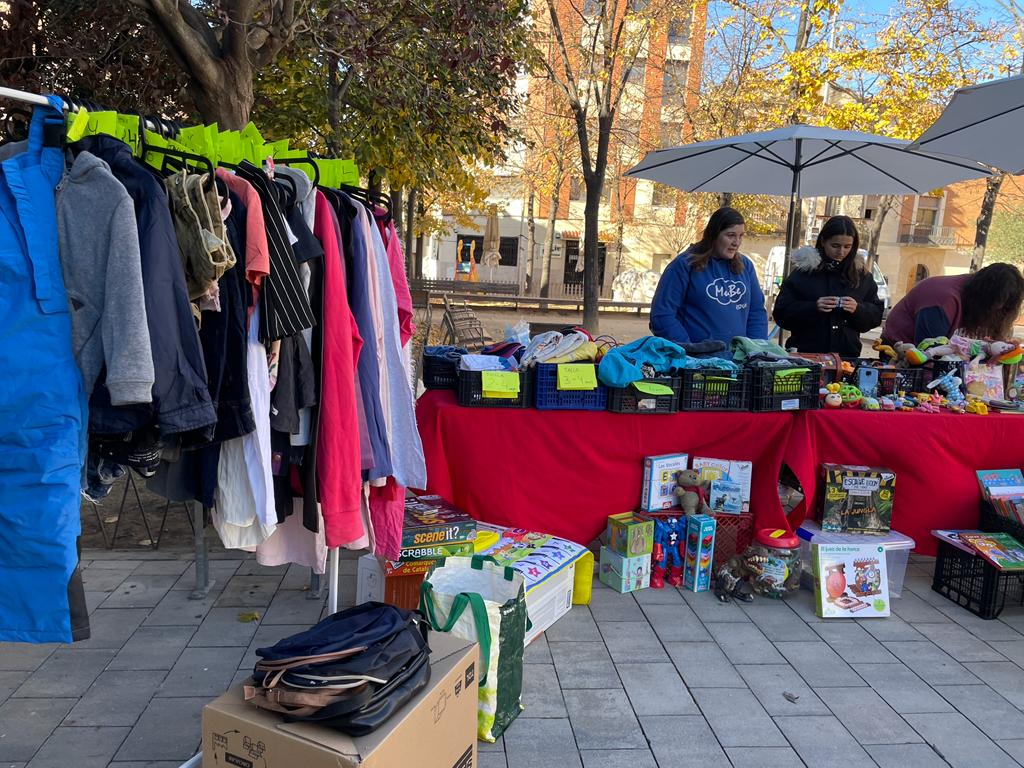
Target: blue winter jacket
(713, 303)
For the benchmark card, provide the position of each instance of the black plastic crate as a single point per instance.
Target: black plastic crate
(893, 380)
(471, 392)
(548, 397)
(440, 372)
(713, 389)
(990, 520)
(973, 583)
(631, 400)
(797, 392)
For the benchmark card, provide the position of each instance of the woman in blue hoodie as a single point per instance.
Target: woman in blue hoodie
(710, 290)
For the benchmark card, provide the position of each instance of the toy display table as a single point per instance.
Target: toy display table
(934, 456)
(565, 472)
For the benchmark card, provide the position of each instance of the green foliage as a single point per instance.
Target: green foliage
(1006, 236)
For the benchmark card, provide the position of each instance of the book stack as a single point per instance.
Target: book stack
(1004, 489)
(1000, 549)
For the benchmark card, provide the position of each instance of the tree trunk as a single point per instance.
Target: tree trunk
(591, 266)
(410, 215)
(228, 106)
(418, 270)
(397, 211)
(875, 233)
(724, 199)
(549, 244)
(988, 207)
(532, 284)
(373, 182)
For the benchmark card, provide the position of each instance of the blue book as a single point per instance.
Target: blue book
(726, 496)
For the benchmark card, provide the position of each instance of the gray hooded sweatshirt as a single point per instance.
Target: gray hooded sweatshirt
(99, 254)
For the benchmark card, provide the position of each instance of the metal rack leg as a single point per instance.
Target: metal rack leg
(203, 581)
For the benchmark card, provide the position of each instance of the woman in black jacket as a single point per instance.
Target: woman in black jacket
(830, 298)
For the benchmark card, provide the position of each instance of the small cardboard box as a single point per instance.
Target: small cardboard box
(437, 729)
(700, 551)
(630, 534)
(850, 581)
(659, 489)
(723, 469)
(857, 499)
(390, 581)
(624, 574)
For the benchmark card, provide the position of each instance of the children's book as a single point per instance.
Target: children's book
(724, 469)
(1000, 549)
(953, 537)
(1001, 483)
(1010, 508)
(725, 496)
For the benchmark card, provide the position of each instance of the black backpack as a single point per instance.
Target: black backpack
(351, 671)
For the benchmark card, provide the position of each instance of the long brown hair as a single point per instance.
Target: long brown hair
(720, 220)
(850, 268)
(991, 300)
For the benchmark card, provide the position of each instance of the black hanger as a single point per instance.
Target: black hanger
(168, 152)
(302, 160)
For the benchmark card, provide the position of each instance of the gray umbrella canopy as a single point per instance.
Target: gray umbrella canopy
(983, 122)
(804, 160)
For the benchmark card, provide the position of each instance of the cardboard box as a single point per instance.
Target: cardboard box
(432, 520)
(659, 488)
(725, 497)
(437, 729)
(700, 550)
(723, 469)
(624, 574)
(630, 534)
(390, 582)
(850, 580)
(857, 499)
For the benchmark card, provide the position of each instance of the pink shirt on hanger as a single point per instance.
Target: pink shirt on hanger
(257, 252)
(396, 262)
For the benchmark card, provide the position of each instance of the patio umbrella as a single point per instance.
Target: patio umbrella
(983, 122)
(492, 244)
(804, 160)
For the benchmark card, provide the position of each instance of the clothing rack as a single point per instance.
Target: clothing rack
(170, 129)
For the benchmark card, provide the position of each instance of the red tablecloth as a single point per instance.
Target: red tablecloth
(934, 457)
(564, 472)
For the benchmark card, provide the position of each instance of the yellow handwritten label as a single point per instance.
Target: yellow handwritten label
(500, 385)
(577, 376)
(649, 388)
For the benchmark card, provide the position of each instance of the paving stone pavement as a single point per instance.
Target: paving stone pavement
(656, 679)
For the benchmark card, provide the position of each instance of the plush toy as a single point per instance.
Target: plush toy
(669, 539)
(884, 349)
(910, 355)
(692, 492)
(937, 347)
(832, 397)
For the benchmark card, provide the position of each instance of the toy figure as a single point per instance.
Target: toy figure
(887, 404)
(938, 347)
(884, 349)
(870, 404)
(976, 405)
(850, 395)
(832, 397)
(692, 492)
(769, 567)
(669, 537)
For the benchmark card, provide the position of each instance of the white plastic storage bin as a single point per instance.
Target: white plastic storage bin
(549, 601)
(897, 552)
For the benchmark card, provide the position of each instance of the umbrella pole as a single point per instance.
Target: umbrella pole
(793, 222)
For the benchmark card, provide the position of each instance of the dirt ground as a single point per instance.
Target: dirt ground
(131, 531)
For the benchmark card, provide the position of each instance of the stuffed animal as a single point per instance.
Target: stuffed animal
(937, 347)
(832, 397)
(692, 492)
(884, 349)
(910, 355)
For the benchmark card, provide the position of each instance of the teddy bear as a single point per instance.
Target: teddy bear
(692, 492)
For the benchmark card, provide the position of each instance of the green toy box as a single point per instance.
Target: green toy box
(624, 574)
(857, 499)
(630, 534)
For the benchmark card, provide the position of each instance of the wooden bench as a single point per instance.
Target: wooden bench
(462, 327)
(422, 288)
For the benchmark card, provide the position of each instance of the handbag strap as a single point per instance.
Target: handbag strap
(279, 667)
(475, 602)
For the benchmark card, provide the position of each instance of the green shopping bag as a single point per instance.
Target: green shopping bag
(496, 619)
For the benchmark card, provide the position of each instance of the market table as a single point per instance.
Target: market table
(564, 472)
(934, 456)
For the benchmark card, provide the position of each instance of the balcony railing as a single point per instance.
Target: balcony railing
(937, 236)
